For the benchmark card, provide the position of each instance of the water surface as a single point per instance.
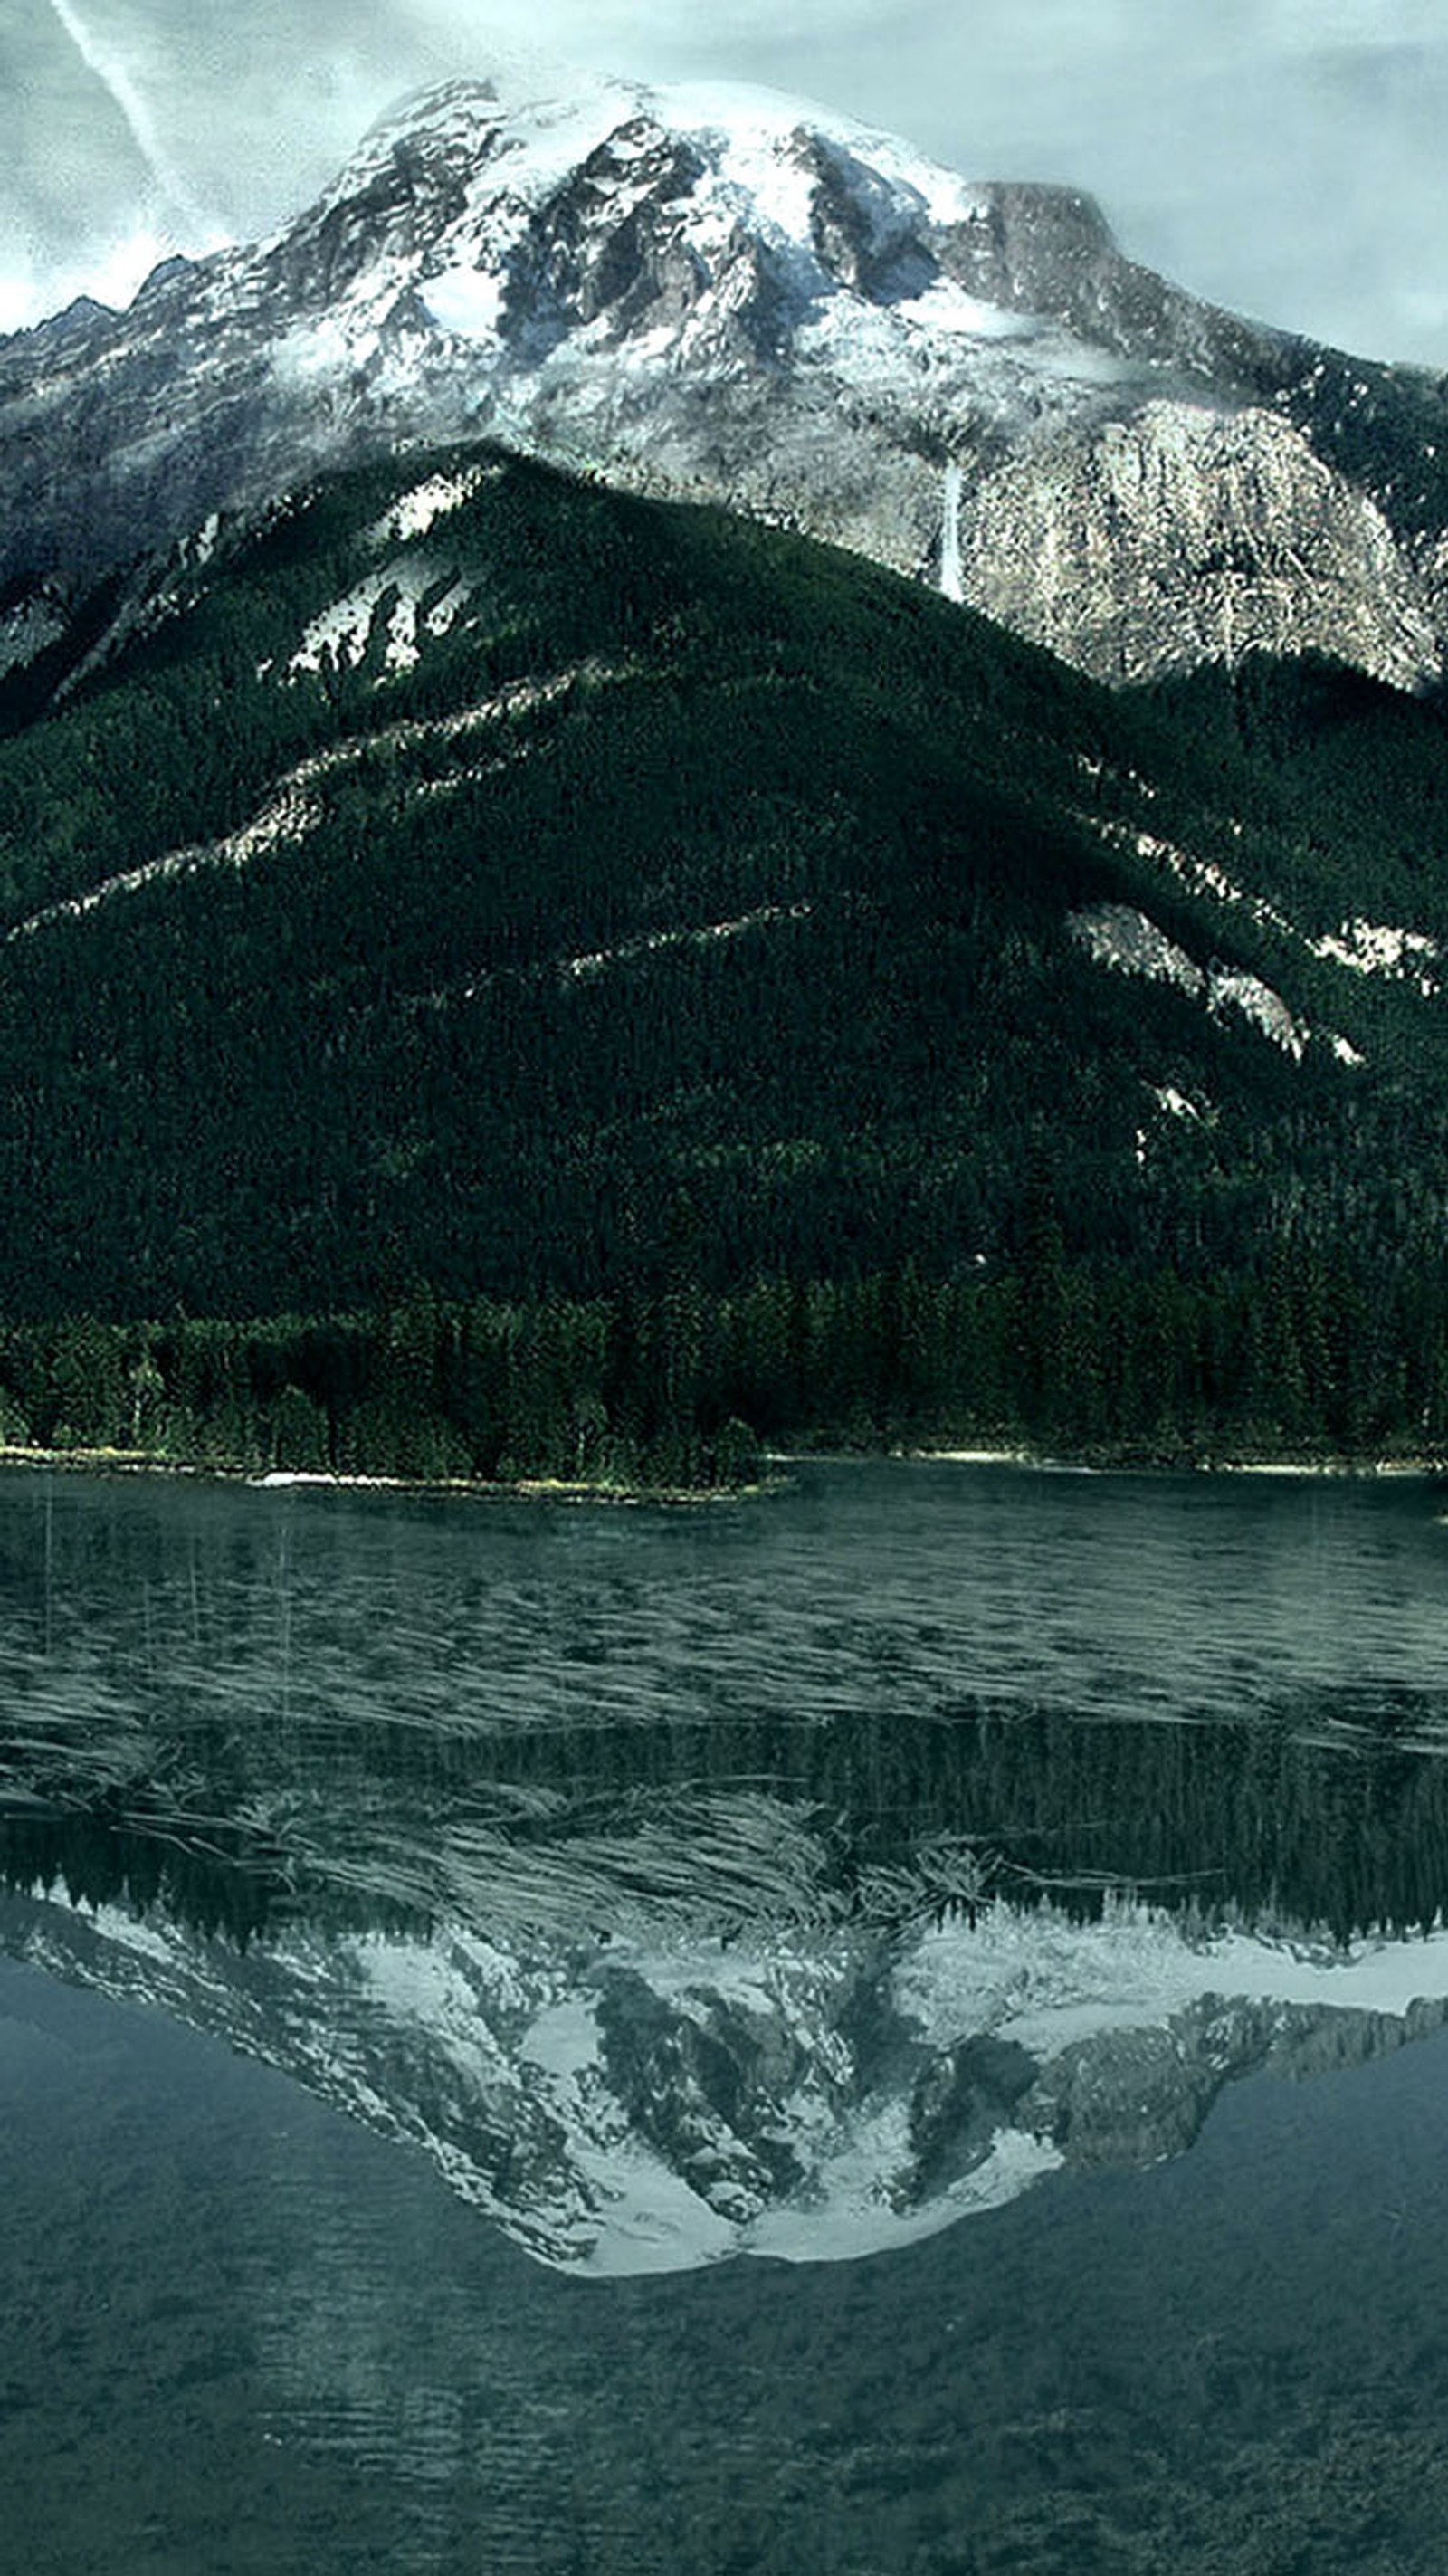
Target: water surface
(443, 1937)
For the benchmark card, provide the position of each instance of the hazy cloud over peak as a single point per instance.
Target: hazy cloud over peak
(1283, 156)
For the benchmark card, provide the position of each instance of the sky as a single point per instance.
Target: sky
(1284, 157)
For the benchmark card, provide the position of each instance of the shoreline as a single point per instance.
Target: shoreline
(781, 1467)
(1104, 1464)
(556, 1489)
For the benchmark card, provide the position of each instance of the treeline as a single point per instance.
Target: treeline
(681, 1388)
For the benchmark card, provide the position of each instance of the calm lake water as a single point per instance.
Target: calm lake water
(902, 2026)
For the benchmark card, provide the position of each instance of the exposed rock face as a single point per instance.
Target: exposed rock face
(1129, 2098)
(1180, 537)
(36, 618)
(728, 295)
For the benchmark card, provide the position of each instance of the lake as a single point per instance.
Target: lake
(896, 2026)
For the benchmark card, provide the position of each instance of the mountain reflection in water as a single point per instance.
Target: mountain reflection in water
(792, 1877)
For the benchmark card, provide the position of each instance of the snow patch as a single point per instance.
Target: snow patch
(1375, 948)
(1232, 989)
(466, 300)
(289, 815)
(758, 161)
(410, 597)
(1117, 934)
(596, 961)
(200, 548)
(420, 509)
(292, 810)
(311, 351)
(1120, 936)
(1047, 1982)
(944, 306)
(25, 631)
(857, 2217)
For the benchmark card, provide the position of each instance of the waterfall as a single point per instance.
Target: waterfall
(951, 583)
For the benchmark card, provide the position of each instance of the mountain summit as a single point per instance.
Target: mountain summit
(727, 294)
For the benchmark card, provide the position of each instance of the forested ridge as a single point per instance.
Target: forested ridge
(604, 998)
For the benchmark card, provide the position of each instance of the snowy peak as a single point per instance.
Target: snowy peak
(542, 131)
(577, 195)
(628, 205)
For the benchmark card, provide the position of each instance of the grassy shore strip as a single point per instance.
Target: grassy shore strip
(783, 1465)
(1185, 1462)
(554, 1489)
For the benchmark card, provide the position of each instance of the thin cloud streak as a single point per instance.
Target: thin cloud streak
(108, 68)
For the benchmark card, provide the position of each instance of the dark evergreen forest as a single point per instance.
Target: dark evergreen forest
(642, 1025)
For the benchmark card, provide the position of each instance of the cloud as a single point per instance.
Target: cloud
(112, 272)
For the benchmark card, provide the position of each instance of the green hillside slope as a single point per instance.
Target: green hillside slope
(474, 896)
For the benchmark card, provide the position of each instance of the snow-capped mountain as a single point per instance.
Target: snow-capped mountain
(730, 295)
(653, 2105)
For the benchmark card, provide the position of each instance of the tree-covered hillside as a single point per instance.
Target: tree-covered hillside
(471, 895)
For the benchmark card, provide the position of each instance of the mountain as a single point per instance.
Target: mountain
(605, 970)
(729, 295)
